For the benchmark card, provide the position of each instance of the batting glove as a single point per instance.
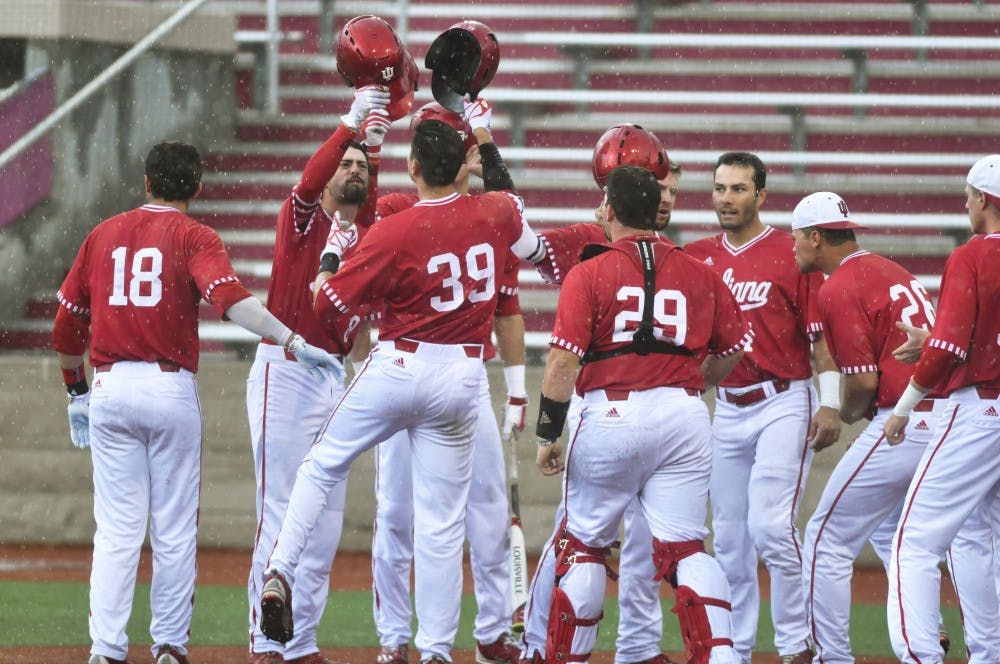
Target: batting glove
(317, 361)
(374, 128)
(339, 241)
(366, 99)
(513, 417)
(478, 114)
(79, 420)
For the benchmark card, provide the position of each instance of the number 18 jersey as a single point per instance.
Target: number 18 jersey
(139, 276)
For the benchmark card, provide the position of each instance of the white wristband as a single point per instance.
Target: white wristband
(514, 377)
(829, 389)
(908, 400)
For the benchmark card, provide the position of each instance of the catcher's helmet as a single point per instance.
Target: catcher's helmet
(629, 145)
(369, 52)
(464, 59)
(435, 111)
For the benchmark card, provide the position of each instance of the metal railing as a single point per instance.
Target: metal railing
(88, 91)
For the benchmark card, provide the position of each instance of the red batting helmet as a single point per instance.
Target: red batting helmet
(369, 52)
(464, 59)
(629, 145)
(435, 111)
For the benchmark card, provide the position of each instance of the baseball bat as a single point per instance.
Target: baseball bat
(518, 559)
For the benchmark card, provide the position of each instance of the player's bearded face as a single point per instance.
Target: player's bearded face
(735, 197)
(668, 198)
(349, 185)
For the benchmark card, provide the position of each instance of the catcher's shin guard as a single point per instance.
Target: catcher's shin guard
(696, 630)
(667, 555)
(563, 620)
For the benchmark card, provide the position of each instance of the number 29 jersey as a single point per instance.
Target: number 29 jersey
(139, 276)
(600, 308)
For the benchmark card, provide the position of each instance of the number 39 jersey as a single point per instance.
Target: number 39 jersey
(139, 276)
(601, 304)
(435, 266)
(859, 306)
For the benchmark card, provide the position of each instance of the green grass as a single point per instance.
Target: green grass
(55, 614)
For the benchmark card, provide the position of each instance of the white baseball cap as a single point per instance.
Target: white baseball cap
(985, 175)
(824, 208)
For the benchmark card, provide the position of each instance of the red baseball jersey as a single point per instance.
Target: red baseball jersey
(435, 266)
(563, 247)
(600, 308)
(508, 302)
(139, 276)
(777, 300)
(968, 317)
(859, 306)
(303, 226)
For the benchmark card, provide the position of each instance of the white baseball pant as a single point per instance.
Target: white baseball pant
(433, 393)
(145, 432)
(959, 471)
(392, 544)
(759, 467)
(287, 409)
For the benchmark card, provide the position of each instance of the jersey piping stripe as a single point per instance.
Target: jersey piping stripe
(739, 250)
(334, 298)
(302, 211)
(947, 346)
(437, 201)
(859, 369)
(738, 346)
(556, 272)
(507, 290)
(856, 254)
(218, 282)
(567, 345)
(74, 308)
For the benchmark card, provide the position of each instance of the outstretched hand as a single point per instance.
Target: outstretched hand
(909, 352)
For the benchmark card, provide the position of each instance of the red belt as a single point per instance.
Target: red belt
(755, 395)
(924, 406)
(165, 365)
(991, 393)
(622, 395)
(411, 346)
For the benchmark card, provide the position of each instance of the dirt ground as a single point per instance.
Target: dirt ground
(228, 567)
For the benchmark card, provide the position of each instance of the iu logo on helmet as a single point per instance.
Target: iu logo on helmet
(388, 73)
(842, 206)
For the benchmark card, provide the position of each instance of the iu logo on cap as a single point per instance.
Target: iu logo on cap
(842, 206)
(388, 73)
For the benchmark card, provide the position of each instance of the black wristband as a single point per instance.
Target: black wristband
(551, 418)
(329, 263)
(78, 389)
(495, 174)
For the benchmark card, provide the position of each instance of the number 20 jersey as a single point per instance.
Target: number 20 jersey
(600, 307)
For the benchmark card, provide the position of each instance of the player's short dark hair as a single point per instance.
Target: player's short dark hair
(745, 160)
(834, 236)
(174, 170)
(634, 194)
(439, 150)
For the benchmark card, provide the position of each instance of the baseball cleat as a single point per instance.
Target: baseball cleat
(393, 655)
(269, 657)
(435, 659)
(804, 657)
(502, 651)
(104, 659)
(276, 608)
(169, 655)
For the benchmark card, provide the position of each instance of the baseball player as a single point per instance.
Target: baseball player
(960, 469)
(132, 296)
(392, 544)
(766, 424)
(860, 302)
(434, 268)
(640, 622)
(641, 318)
(286, 410)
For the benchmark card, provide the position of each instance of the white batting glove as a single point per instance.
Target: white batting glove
(366, 99)
(374, 128)
(513, 417)
(79, 420)
(339, 241)
(317, 361)
(478, 114)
